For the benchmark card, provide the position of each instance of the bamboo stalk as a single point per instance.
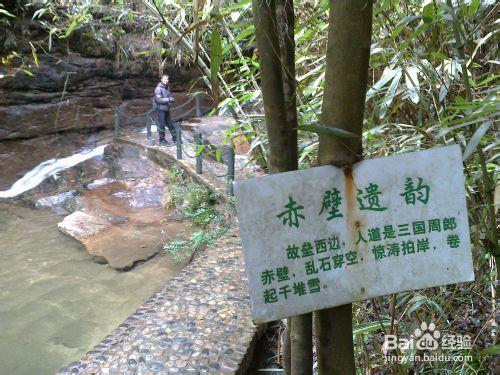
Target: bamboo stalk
(282, 149)
(346, 76)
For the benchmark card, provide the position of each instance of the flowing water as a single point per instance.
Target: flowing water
(56, 303)
(49, 168)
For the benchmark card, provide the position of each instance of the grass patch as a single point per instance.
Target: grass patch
(198, 204)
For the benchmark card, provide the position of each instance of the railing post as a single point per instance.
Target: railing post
(197, 139)
(178, 136)
(117, 121)
(149, 121)
(230, 171)
(197, 102)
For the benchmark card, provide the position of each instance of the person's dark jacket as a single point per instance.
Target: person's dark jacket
(163, 97)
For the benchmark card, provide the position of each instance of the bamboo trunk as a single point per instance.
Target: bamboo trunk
(348, 54)
(282, 148)
(282, 135)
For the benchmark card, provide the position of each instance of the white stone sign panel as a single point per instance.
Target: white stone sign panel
(325, 236)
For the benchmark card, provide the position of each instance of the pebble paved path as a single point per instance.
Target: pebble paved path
(198, 323)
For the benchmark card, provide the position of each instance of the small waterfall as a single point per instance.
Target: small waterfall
(48, 168)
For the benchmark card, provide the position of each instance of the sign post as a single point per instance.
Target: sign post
(324, 236)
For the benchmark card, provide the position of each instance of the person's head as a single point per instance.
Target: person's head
(164, 79)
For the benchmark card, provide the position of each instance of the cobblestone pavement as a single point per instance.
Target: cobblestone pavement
(198, 323)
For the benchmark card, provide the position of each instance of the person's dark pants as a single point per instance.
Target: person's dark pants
(164, 119)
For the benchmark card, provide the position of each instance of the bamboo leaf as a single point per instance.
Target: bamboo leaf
(70, 29)
(145, 52)
(415, 303)
(199, 149)
(50, 39)
(436, 307)
(429, 13)
(39, 13)
(4, 12)
(443, 90)
(315, 85)
(391, 93)
(33, 53)
(420, 300)
(318, 129)
(370, 327)
(387, 75)
(479, 44)
(407, 20)
(215, 54)
(476, 139)
(28, 72)
(439, 56)
(488, 79)
(473, 7)
(412, 83)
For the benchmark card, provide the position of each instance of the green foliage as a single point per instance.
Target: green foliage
(202, 215)
(318, 129)
(215, 54)
(5, 13)
(182, 249)
(175, 174)
(194, 201)
(95, 26)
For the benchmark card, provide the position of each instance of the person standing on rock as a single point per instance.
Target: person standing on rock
(163, 98)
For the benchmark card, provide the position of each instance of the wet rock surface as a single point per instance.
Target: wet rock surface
(213, 130)
(57, 200)
(17, 157)
(122, 220)
(77, 89)
(199, 322)
(115, 202)
(81, 225)
(37, 107)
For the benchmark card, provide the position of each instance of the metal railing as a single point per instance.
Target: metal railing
(199, 156)
(198, 109)
(199, 148)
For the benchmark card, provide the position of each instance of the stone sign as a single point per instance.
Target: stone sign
(326, 236)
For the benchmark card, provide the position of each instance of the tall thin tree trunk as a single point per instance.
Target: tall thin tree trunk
(282, 149)
(286, 21)
(282, 136)
(301, 345)
(348, 55)
(287, 349)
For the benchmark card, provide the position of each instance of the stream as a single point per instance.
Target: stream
(56, 302)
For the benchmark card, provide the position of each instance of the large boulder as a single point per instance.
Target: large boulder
(104, 239)
(82, 226)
